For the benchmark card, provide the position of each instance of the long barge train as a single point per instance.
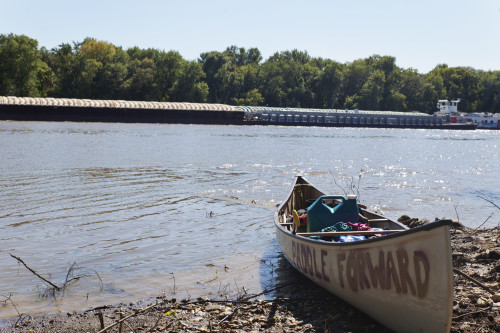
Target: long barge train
(86, 110)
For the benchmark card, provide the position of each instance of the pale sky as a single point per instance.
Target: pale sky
(419, 34)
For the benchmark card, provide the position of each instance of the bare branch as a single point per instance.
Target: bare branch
(475, 230)
(11, 302)
(335, 181)
(488, 289)
(485, 198)
(34, 272)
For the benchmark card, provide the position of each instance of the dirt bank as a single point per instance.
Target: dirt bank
(297, 307)
(476, 253)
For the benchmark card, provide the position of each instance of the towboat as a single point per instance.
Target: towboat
(402, 278)
(482, 120)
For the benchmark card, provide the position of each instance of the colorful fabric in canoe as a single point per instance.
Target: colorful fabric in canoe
(341, 226)
(359, 226)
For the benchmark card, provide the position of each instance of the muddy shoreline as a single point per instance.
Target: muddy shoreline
(297, 307)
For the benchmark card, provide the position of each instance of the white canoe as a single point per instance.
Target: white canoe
(403, 279)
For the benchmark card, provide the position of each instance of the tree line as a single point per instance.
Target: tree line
(97, 69)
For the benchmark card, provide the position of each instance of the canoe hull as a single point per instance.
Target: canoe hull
(403, 280)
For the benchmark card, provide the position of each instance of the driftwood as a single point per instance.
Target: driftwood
(56, 287)
(471, 313)
(488, 289)
(70, 277)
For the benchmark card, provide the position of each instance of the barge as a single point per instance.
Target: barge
(87, 110)
(348, 118)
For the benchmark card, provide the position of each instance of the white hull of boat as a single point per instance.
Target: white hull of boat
(403, 280)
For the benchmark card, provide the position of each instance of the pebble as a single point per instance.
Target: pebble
(482, 302)
(214, 307)
(464, 303)
(464, 326)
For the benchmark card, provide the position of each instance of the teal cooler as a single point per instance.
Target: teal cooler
(320, 215)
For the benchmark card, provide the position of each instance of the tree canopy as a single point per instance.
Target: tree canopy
(97, 69)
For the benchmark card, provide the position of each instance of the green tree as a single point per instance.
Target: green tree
(190, 85)
(288, 79)
(434, 90)
(102, 69)
(460, 82)
(373, 83)
(90, 69)
(412, 86)
(490, 93)
(352, 102)
(45, 80)
(168, 71)
(391, 99)
(355, 76)
(63, 62)
(212, 62)
(21, 67)
(140, 83)
(372, 92)
(251, 98)
(231, 75)
(239, 56)
(328, 85)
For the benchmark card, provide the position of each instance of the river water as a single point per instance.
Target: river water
(148, 209)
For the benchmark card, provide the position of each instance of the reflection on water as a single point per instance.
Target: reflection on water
(146, 209)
